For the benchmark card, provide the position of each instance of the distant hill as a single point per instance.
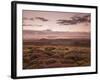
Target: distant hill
(48, 34)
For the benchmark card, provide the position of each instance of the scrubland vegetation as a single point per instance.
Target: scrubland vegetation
(68, 53)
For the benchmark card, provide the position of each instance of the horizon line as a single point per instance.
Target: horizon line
(58, 31)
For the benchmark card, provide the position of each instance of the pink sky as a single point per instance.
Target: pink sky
(56, 21)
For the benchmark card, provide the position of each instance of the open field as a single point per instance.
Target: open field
(48, 53)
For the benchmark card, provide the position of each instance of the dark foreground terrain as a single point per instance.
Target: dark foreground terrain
(53, 53)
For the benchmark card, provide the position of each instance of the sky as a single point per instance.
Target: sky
(56, 21)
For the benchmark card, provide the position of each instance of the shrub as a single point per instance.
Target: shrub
(49, 48)
(29, 47)
(33, 57)
(50, 61)
(31, 51)
(49, 53)
(26, 60)
(66, 48)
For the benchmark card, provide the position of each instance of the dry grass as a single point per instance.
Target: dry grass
(51, 56)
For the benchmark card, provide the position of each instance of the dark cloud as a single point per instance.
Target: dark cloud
(42, 19)
(37, 25)
(66, 22)
(31, 19)
(39, 18)
(25, 18)
(27, 25)
(75, 20)
(85, 18)
(88, 17)
(32, 25)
